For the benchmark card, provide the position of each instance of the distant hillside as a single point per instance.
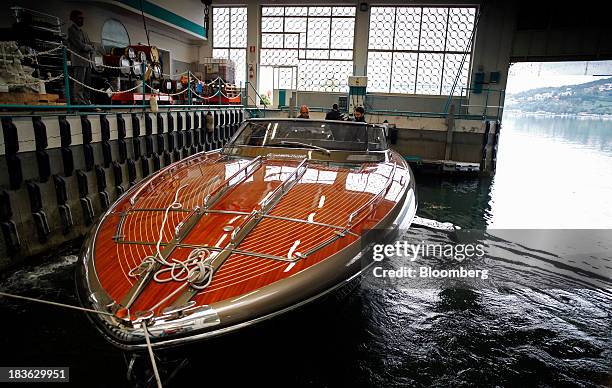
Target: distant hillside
(590, 98)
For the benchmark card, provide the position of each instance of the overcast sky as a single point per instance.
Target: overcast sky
(532, 75)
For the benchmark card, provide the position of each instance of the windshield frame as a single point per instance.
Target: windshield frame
(366, 126)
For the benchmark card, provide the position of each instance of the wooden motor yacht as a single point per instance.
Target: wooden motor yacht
(228, 238)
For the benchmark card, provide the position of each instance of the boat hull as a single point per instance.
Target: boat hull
(261, 298)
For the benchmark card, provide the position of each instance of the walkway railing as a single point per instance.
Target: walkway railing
(248, 99)
(217, 99)
(193, 97)
(493, 100)
(403, 113)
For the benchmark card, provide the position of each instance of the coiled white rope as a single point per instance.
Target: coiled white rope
(196, 269)
(193, 269)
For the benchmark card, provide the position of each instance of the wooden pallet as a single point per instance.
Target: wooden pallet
(27, 98)
(231, 90)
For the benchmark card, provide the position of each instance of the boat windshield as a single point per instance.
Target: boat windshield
(321, 135)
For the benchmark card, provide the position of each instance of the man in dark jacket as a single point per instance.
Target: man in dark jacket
(359, 115)
(334, 114)
(79, 43)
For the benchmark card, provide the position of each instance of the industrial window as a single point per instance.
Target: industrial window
(316, 41)
(230, 37)
(419, 50)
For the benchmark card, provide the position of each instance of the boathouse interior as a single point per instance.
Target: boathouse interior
(434, 73)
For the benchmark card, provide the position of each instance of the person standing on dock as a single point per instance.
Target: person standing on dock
(334, 114)
(79, 43)
(304, 112)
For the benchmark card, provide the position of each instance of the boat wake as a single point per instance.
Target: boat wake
(545, 319)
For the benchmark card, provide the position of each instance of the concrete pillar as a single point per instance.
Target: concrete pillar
(360, 44)
(253, 28)
(493, 44)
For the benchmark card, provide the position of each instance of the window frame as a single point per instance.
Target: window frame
(305, 49)
(229, 46)
(419, 51)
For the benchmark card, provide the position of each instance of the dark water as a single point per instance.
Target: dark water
(551, 173)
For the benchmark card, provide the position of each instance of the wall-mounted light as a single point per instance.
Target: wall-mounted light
(363, 7)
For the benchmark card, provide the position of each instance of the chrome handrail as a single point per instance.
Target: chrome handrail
(162, 171)
(281, 188)
(268, 203)
(212, 198)
(372, 201)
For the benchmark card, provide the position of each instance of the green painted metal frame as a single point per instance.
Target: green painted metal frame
(402, 113)
(26, 110)
(501, 94)
(66, 77)
(16, 109)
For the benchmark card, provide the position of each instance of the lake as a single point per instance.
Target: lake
(545, 320)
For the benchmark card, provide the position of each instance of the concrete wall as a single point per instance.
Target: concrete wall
(33, 159)
(492, 45)
(558, 33)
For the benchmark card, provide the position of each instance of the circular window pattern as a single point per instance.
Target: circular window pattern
(114, 34)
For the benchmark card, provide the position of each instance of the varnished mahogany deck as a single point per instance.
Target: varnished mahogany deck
(324, 194)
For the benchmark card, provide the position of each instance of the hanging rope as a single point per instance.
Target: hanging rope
(203, 97)
(151, 355)
(226, 96)
(175, 75)
(105, 91)
(34, 54)
(156, 91)
(35, 82)
(67, 306)
(211, 83)
(102, 65)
